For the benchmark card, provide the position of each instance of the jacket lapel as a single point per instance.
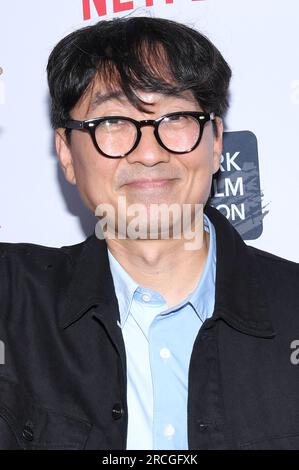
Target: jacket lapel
(240, 299)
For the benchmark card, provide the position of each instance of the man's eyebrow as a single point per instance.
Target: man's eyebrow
(100, 98)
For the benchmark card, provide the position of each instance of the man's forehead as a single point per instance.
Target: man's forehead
(103, 95)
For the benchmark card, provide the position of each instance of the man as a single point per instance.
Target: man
(143, 342)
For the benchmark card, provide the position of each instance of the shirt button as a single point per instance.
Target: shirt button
(165, 353)
(117, 411)
(146, 297)
(169, 430)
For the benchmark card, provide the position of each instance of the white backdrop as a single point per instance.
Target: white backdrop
(258, 38)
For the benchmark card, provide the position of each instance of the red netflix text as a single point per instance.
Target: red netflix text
(100, 6)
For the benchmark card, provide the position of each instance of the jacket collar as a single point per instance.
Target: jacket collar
(91, 281)
(239, 297)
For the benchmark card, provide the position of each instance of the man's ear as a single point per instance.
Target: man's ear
(217, 146)
(65, 156)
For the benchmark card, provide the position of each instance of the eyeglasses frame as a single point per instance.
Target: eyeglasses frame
(90, 126)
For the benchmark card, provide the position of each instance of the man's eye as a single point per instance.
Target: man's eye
(113, 122)
(176, 121)
(175, 117)
(113, 125)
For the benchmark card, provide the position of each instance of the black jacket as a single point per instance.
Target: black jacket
(63, 384)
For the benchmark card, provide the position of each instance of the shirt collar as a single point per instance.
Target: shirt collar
(124, 286)
(201, 298)
(240, 299)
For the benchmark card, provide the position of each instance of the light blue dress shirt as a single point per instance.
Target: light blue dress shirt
(158, 344)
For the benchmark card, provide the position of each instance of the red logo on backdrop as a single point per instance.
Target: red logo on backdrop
(118, 6)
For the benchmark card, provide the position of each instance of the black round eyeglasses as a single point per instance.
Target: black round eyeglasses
(118, 136)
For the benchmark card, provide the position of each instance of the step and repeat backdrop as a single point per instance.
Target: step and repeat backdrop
(257, 188)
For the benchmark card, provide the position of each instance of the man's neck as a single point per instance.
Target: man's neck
(162, 265)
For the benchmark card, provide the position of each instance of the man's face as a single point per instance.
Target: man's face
(148, 175)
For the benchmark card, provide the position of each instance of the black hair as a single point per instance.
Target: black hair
(151, 54)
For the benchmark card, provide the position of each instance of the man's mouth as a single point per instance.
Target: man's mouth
(150, 183)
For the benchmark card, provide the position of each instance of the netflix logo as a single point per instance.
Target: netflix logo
(100, 6)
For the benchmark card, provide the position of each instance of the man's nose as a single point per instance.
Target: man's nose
(148, 152)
